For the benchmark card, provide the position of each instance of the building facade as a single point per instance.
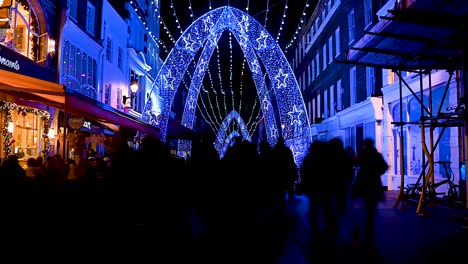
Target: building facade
(343, 99)
(354, 98)
(29, 93)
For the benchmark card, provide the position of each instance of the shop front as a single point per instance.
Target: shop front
(28, 105)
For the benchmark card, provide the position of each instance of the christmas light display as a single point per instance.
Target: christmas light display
(222, 135)
(256, 43)
(8, 141)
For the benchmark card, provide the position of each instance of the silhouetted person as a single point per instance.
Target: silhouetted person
(369, 184)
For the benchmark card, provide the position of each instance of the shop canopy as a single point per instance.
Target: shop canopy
(35, 90)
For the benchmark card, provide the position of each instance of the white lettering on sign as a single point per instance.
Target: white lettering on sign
(8, 63)
(87, 124)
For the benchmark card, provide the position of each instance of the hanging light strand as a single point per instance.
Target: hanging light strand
(208, 119)
(266, 13)
(230, 71)
(282, 21)
(249, 122)
(221, 83)
(299, 26)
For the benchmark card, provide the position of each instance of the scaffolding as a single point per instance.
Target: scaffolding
(420, 36)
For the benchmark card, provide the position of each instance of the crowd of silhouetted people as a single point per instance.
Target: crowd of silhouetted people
(200, 204)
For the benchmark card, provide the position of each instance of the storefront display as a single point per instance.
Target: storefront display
(25, 131)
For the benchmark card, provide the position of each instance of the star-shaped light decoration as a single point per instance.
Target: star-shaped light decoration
(201, 65)
(189, 42)
(262, 40)
(255, 66)
(208, 24)
(211, 42)
(191, 102)
(280, 78)
(168, 80)
(273, 131)
(244, 23)
(243, 41)
(295, 115)
(266, 102)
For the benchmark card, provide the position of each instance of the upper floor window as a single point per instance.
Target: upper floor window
(352, 85)
(120, 58)
(330, 49)
(90, 17)
(337, 41)
(339, 96)
(20, 31)
(109, 50)
(107, 93)
(370, 81)
(79, 70)
(73, 8)
(351, 26)
(367, 12)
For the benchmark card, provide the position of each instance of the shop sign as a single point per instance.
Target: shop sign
(12, 61)
(76, 122)
(9, 63)
(87, 124)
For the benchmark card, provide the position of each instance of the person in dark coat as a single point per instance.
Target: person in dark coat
(368, 184)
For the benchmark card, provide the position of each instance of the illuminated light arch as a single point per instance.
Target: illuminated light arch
(255, 42)
(220, 141)
(230, 139)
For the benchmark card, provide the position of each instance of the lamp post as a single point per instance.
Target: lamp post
(134, 88)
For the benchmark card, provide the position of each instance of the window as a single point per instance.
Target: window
(312, 70)
(325, 104)
(313, 113)
(109, 50)
(319, 110)
(352, 85)
(339, 96)
(351, 26)
(28, 129)
(330, 49)
(309, 72)
(79, 70)
(20, 30)
(337, 41)
(119, 58)
(317, 61)
(324, 54)
(370, 81)
(107, 93)
(90, 18)
(367, 12)
(332, 100)
(73, 7)
(119, 102)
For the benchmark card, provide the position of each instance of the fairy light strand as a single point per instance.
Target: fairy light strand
(282, 21)
(299, 26)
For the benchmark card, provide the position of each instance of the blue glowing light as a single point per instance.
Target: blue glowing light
(221, 143)
(256, 44)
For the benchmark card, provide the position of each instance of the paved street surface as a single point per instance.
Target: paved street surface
(176, 233)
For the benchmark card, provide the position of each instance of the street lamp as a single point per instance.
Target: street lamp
(134, 89)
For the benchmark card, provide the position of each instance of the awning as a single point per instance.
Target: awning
(57, 95)
(81, 105)
(32, 89)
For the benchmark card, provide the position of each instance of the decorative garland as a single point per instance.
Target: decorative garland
(8, 137)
